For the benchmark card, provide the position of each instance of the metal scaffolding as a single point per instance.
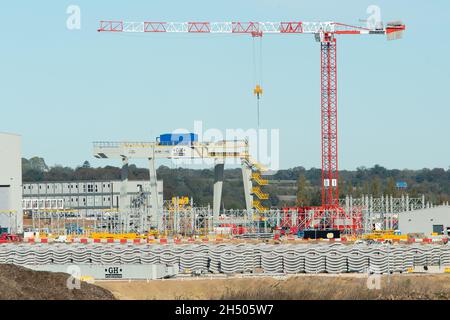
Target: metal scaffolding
(355, 216)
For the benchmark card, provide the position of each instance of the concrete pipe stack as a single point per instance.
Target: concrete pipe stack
(244, 258)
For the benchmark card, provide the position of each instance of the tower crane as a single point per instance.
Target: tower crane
(326, 34)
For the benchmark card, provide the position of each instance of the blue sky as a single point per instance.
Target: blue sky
(63, 89)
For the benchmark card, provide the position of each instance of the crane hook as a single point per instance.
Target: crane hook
(258, 91)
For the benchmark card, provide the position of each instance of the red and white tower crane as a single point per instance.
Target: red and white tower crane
(325, 33)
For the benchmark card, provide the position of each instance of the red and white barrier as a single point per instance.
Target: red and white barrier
(164, 241)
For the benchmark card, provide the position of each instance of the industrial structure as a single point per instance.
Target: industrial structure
(330, 214)
(11, 217)
(138, 206)
(430, 221)
(88, 206)
(381, 213)
(187, 146)
(85, 197)
(180, 218)
(125, 229)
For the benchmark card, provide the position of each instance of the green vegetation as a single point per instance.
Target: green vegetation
(303, 185)
(394, 287)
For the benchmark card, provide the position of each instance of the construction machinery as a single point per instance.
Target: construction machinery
(385, 235)
(258, 92)
(103, 235)
(182, 147)
(8, 237)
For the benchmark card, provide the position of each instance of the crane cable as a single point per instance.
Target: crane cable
(257, 76)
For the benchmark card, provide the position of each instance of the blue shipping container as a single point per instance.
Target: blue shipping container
(173, 139)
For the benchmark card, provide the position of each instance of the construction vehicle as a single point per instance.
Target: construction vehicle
(8, 237)
(153, 233)
(117, 236)
(181, 201)
(386, 235)
(73, 228)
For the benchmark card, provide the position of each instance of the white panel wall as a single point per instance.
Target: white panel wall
(422, 221)
(26, 189)
(82, 194)
(58, 188)
(11, 175)
(34, 188)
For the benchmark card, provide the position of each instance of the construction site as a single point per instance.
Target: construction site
(126, 230)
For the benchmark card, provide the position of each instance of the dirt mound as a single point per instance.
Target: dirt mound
(19, 283)
(351, 287)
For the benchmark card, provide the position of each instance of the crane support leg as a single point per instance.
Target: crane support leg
(330, 192)
(123, 208)
(247, 179)
(218, 184)
(155, 212)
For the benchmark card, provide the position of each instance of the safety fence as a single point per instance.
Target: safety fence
(216, 240)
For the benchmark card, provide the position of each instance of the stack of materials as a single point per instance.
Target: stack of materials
(243, 258)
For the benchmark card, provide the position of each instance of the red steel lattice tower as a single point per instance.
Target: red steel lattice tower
(329, 121)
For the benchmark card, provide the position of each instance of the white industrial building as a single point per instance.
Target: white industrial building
(85, 196)
(426, 221)
(11, 216)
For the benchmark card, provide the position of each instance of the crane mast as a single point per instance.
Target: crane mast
(329, 125)
(325, 33)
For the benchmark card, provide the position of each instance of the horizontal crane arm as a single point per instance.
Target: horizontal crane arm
(253, 28)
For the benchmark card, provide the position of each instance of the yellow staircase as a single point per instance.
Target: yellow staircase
(260, 181)
(256, 176)
(258, 206)
(261, 195)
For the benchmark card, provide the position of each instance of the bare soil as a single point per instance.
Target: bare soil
(395, 287)
(18, 283)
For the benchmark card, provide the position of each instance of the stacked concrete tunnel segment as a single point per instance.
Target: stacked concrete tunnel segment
(239, 259)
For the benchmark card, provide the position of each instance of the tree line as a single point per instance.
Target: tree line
(302, 185)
